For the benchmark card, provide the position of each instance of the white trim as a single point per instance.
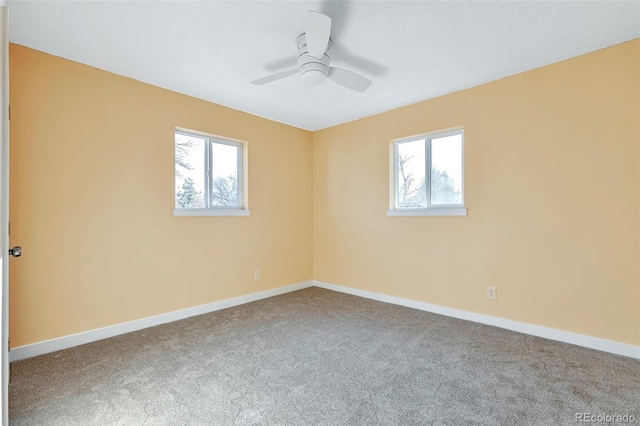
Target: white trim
(211, 212)
(427, 138)
(242, 178)
(610, 346)
(4, 212)
(40, 348)
(393, 175)
(433, 211)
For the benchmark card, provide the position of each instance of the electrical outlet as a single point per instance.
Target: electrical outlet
(256, 274)
(491, 293)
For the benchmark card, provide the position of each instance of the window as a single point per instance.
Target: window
(210, 175)
(427, 175)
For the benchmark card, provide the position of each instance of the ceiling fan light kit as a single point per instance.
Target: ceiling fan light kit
(313, 61)
(313, 71)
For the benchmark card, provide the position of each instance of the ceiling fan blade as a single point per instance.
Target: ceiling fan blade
(349, 79)
(274, 77)
(318, 32)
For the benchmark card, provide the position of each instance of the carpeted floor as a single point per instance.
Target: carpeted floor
(319, 357)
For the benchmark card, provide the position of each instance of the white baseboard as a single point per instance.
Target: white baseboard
(522, 327)
(40, 348)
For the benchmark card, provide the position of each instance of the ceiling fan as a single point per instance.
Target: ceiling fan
(313, 61)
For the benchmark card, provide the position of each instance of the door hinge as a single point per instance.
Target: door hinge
(9, 345)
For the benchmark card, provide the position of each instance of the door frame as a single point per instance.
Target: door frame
(4, 204)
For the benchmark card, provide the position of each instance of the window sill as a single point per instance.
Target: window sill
(454, 211)
(211, 212)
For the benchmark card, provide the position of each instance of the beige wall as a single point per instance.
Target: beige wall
(552, 185)
(552, 188)
(92, 196)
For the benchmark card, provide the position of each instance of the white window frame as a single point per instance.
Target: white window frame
(430, 209)
(242, 176)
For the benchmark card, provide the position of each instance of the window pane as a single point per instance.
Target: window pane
(446, 170)
(224, 175)
(411, 173)
(189, 171)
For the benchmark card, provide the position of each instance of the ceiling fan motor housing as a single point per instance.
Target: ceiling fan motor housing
(312, 70)
(314, 67)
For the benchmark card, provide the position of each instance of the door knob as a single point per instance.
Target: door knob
(16, 251)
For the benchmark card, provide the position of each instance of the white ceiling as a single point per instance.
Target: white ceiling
(412, 51)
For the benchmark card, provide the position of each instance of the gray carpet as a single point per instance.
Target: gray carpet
(319, 357)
